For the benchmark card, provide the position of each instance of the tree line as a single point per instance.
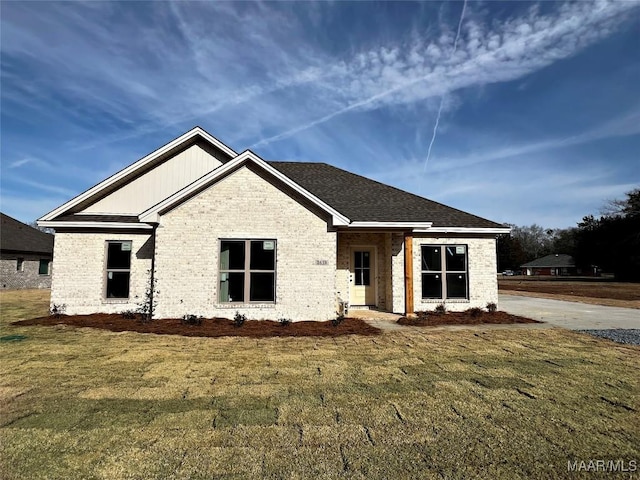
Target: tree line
(609, 242)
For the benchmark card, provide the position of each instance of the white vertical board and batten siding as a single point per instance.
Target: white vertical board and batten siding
(158, 183)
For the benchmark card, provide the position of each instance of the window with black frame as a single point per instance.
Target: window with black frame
(118, 269)
(43, 267)
(247, 271)
(444, 272)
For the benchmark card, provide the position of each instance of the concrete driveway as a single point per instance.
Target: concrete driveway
(572, 315)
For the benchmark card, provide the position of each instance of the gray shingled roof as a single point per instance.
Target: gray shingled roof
(557, 260)
(357, 197)
(362, 199)
(16, 236)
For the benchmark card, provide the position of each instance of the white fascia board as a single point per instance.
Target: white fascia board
(104, 225)
(136, 166)
(496, 230)
(152, 214)
(412, 225)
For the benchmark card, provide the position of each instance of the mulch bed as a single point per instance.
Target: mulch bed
(463, 318)
(216, 327)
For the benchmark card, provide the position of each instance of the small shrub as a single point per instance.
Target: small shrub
(148, 304)
(129, 314)
(475, 312)
(492, 307)
(57, 311)
(239, 319)
(422, 314)
(284, 321)
(338, 320)
(440, 309)
(190, 319)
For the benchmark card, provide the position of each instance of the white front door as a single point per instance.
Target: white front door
(362, 276)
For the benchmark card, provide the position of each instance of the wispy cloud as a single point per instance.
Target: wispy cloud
(44, 187)
(508, 51)
(39, 163)
(90, 87)
(625, 125)
(19, 163)
(188, 69)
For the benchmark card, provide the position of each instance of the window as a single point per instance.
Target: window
(247, 271)
(444, 272)
(20, 264)
(43, 268)
(118, 269)
(362, 268)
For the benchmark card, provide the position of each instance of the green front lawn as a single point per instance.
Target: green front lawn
(84, 403)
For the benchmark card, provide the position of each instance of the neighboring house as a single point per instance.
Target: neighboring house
(222, 232)
(555, 264)
(25, 255)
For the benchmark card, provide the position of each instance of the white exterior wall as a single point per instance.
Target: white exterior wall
(244, 206)
(158, 183)
(79, 276)
(483, 282)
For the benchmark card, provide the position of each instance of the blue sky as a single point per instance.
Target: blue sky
(537, 106)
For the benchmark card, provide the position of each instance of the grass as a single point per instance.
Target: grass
(86, 403)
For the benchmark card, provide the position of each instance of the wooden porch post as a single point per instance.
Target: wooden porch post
(408, 274)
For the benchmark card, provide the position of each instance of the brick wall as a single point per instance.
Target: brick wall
(79, 277)
(483, 283)
(245, 206)
(28, 277)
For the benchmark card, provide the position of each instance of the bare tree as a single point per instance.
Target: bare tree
(35, 225)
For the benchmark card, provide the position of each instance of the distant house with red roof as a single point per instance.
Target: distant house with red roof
(554, 264)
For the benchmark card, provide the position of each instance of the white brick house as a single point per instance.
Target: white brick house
(217, 232)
